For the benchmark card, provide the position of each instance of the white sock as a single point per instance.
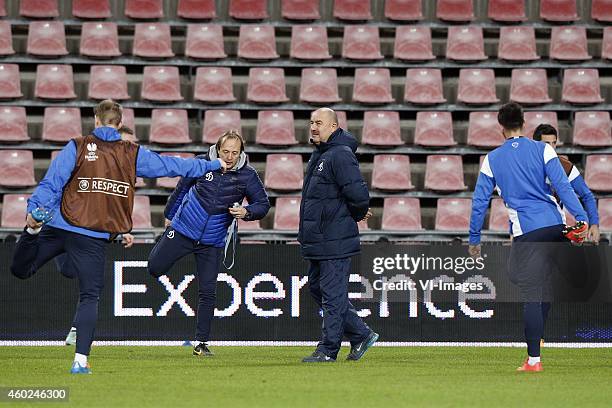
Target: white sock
(33, 231)
(533, 360)
(81, 359)
(73, 328)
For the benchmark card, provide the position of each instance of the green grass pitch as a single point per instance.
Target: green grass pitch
(275, 377)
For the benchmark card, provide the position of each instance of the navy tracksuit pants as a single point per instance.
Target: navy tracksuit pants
(171, 247)
(328, 283)
(87, 257)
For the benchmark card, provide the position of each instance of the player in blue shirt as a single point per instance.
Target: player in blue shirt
(523, 171)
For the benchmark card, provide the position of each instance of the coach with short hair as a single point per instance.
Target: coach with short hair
(334, 198)
(84, 200)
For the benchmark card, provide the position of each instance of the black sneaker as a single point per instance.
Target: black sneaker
(318, 357)
(359, 349)
(202, 350)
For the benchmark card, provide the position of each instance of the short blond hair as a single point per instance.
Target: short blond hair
(109, 112)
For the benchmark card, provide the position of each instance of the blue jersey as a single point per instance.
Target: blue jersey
(523, 172)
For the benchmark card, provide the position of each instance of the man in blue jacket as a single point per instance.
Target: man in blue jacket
(519, 170)
(334, 198)
(199, 213)
(548, 134)
(86, 199)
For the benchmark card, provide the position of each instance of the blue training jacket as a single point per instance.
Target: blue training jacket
(149, 164)
(334, 198)
(199, 207)
(585, 195)
(521, 170)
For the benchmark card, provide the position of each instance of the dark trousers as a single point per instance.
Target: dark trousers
(328, 283)
(533, 258)
(86, 256)
(168, 251)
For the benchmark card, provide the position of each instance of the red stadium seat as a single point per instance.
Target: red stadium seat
(558, 10)
(169, 126)
(13, 124)
(372, 86)
(604, 208)
(403, 10)
(100, 40)
(391, 172)
(257, 42)
(249, 226)
(248, 9)
(161, 84)
(2, 9)
(477, 86)
(217, 122)
(606, 45)
(6, 39)
(581, 86)
(128, 120)
(108, 82)
(465, 43)
(213, 85)
(38, 8)
(266, 85)
(517, 44)
(342, 122)
(498, 216)
(141, 213)
(413, 43)
(61, 124)
(287, 213)
(444, 173)
(17, 168)
(352, 10)
(300, 9)
(47, 39)
(601, 10)
(319, 85)
(569, 44)
(275, 128)
(205, 42)
(592, 129)
(529, 86)
(284, 172)
(434, 129)
(401, 214)
(91, 9)
(54, 82)
(14, 208)
(196, 9)
(10, 83)
(152, 40)
(381, 128)
(171, 182)
(453, 214)
(455, 10)
(144, 9)
(598, 172)
(484, 130)
(424, 86)
(361, 43)
(309, 43)
(507, 10)
(533, 119)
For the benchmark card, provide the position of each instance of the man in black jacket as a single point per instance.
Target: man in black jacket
(335, 197)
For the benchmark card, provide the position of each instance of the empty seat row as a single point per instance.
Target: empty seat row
(380, 128)
(348, 10)
(284, 172)
(399, 214)
(318, 86)
(258, 42)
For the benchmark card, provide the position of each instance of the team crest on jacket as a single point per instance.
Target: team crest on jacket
(320, 168)
(515, 145)
(91, 152)
(209, 176)
(171, 234)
